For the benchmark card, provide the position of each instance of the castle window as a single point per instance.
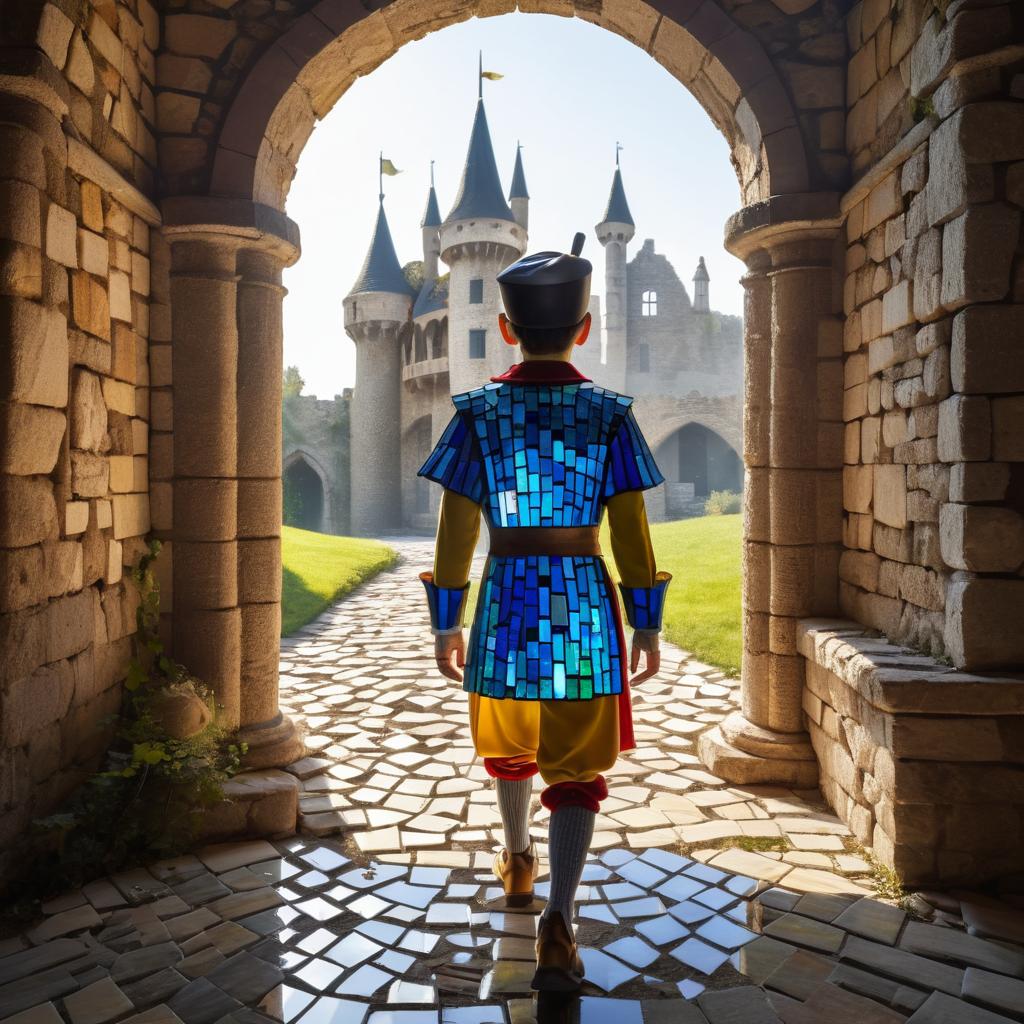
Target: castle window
(649, 304)
(476, 290)
(477, 344)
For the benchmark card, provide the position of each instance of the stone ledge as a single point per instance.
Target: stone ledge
(896, 679)
(256, 804)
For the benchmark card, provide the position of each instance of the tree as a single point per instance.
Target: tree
(293, 382)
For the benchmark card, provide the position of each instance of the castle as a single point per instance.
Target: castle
(421, 338)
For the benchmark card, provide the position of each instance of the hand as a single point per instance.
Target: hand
(445, 646)
(649, 643)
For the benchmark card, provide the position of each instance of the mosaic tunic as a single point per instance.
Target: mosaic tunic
(536, 455)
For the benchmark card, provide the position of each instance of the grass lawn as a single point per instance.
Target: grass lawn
(319, 569)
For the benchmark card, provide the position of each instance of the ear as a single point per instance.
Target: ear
(584, 331)
(506, 333)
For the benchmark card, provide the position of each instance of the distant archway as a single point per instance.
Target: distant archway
(305, 493)
(696, 461)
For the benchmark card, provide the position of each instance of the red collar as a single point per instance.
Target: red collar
(541, 371)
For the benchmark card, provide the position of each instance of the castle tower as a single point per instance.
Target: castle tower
(614, 232)
(479, 238)
(701, 297)
(518, 196)
(376, 311)
(430, 223)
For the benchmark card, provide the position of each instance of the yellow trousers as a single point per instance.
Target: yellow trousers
(570, 740)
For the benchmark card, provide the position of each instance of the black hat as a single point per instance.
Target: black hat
(547, 289)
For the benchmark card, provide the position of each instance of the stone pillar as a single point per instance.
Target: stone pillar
(226, 295)
(272, 738)
(792, 506)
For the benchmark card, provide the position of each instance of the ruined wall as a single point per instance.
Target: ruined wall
(933, 406)
(83, 290)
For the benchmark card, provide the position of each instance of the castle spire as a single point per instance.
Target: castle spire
(617, 210)
(480, 193)
(431, 214)
(381, 270)
(518, 189)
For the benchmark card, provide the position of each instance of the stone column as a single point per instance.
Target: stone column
(792, 498)
(226, 296)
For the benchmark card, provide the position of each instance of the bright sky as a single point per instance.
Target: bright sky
(570, 91)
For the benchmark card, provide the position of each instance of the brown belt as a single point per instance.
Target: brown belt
(559, 541)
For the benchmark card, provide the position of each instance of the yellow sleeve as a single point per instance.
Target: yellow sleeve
(457, 531)
(631, 539)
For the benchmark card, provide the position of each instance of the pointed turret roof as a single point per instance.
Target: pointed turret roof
(431, 215)
(518, 189)
(381, 270)
(480, 192)
(617, 210)
(701, 273)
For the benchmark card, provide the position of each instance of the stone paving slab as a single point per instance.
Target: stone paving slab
(384, 910)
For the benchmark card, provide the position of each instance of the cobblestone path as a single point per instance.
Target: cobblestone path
(701, 903)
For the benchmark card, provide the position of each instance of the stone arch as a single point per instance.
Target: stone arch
(302, 457)
(302, 74)
(697, 460)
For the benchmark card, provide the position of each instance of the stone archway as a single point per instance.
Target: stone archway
(311, 482)
(696, 461)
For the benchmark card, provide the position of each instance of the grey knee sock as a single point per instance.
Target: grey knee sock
(514, 805)
(570, 833)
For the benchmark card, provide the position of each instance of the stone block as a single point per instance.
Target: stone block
(955, 180)
(983, 623)
(122, 474)
(860, 568)
(93, 253)
(140, 274)
(32, 438)
(114, 567)
(935, 378)
(194, 35)
(34, 367)
(978, 481)
(894, 428)
(922, 587)
(188, 74)
(90, 475)
(61, 236)
(28, 511)
(22, 583)
(207, 509)
(965, 429)
(76, 518)
(889, 503)
(883, 201)
(88, 413)
(259, 508)
(90, 309)
(855, 402)
(125, 344)
(869, 437)
(923, 421)
(985, 355)
(21, 271)
(80, 69)
(259, 571)
(981, 538)
(130, 515)
(120, 296)
(857, 488)
(977, 250)
(119, 396)
(35, 701)
(851, 443)
(897, 306)
(19, 213)
(932, 336)
(1008, 429)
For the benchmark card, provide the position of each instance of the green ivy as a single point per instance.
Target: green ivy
(148, 798)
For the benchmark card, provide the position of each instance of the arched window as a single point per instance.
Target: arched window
(649, 304)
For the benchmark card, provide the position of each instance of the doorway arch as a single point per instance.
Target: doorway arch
(696, 461)
(307, 492)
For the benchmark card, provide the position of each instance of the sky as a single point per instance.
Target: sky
(570, 91)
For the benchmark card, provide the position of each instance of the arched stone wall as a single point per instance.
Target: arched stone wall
(309, 459)
(148, 154)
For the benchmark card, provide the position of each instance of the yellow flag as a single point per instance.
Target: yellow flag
(491, 76)
(387, 167)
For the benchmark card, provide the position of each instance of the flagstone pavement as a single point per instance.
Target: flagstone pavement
(701, 902)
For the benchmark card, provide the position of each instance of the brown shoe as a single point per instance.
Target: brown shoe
(559, 967)
(516, 872)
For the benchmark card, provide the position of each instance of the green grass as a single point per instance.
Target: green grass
(702, 611)
(318, 569)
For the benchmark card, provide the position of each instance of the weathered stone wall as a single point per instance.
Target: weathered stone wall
(319, 428)
(925, 764)
(83, 292)
(933, 401)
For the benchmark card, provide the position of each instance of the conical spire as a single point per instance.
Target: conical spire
(431, 215)
(617, 210)
(381, 270)
(480, 192)
(518, 189)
